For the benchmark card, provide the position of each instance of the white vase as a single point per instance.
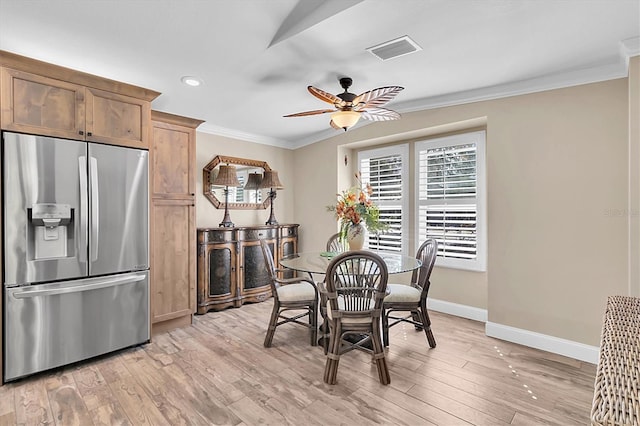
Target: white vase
(356, 235)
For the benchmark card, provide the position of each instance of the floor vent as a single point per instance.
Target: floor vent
(394, 48)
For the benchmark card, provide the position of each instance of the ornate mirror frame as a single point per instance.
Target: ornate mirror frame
(221, 159)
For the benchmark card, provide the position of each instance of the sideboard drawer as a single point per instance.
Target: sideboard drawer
(215, 235)
(289, 231)
(257, 234)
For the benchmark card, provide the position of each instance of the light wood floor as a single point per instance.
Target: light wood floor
(218, 372)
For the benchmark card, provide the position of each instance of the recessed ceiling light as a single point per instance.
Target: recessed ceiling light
(191, 81)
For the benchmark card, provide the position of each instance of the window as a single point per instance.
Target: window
(385, 170)
(451, 199)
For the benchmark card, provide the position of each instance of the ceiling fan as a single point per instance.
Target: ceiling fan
(350, 107)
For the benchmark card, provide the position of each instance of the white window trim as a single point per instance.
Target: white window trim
(480, 262)
(403, 150)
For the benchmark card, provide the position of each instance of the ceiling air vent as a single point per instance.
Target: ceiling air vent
(394, 48)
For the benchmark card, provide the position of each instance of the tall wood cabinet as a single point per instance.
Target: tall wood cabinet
(173, 233)
(231, 268)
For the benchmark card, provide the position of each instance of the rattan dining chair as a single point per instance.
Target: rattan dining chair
(355, 287)
(412, 298)
(336, 244)
(290, 294)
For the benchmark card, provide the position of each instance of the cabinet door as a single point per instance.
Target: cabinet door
(172, 259)
(217, 277)
(41, 105)
(254, 277)
(117, 119)
(173, 160)
(288, 246)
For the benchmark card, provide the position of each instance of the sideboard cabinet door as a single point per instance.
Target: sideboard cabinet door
(288, 245)
(217, 277)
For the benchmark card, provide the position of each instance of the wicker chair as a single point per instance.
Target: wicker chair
(290, 294)
(335, 244)
(412, 298)
(355, 287)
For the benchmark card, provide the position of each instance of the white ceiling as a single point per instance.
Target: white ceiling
(471, 50)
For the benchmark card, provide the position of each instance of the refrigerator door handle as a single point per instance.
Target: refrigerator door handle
(95, 208)
(78, 287)
(82, 237)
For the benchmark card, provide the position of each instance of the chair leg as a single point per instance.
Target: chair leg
(272, 324)
(426, 326)
(326, 335)
(333, 357)
(378, 355)
(313, 323)
(417, 319)
(385, 327)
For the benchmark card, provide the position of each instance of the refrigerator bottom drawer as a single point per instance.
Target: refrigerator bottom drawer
(51, 325)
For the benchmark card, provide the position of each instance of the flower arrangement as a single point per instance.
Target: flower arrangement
(355, 206)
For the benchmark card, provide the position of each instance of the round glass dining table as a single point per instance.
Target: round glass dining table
(317, 262)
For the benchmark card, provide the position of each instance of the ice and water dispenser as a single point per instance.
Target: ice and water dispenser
(52, 230)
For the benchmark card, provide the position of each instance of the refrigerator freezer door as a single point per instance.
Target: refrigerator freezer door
(45, 224)
(51, 325)
(119, 206)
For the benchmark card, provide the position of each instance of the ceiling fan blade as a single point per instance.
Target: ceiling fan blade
(314, 112)
(326, 96)
(376, 97)
(380, 114)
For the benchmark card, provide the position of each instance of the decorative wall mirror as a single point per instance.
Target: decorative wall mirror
(247, 195)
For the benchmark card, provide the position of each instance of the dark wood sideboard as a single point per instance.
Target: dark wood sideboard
(231, 267)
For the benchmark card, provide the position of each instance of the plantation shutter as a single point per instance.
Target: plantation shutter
(384, 170)
(448, 199)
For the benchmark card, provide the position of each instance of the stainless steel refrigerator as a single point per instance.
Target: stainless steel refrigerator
(76, 251)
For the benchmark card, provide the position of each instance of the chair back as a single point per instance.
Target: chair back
(426, 253)
(356, 283)
(268, 262)
(335, 244)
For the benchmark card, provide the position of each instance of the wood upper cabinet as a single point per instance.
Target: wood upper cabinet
(173, 231)
(41, 105)
(173, 154)
(117, 119)
(45, 99)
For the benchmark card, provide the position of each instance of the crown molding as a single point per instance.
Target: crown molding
(212, 129)
(523, 87)
(630, 47)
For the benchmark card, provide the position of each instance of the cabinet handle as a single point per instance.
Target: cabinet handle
(81, 132)
(89, 134)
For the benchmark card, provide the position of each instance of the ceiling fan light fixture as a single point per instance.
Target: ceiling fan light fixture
(345, 119)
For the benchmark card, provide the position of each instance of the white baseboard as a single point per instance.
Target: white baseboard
(458, 310)
(556, 345)
(544, 342)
